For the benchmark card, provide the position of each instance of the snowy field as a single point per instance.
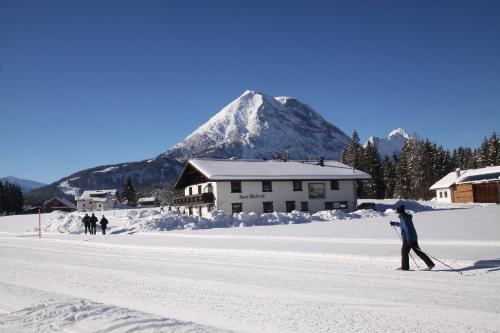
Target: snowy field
(327, 272)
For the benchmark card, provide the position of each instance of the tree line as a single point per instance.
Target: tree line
(11, 198)
(420, 164)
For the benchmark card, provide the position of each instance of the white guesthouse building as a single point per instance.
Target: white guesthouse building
(97, 200)
(263, 186)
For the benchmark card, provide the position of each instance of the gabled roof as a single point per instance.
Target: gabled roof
(61, 200)
(223, 169)
(447, 181)
(468, 176)
(86, 195)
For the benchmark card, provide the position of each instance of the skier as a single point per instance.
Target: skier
(86, 222)
(410, 240)
(93, 223)
(103, 223)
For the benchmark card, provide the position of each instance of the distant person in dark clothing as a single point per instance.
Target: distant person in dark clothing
(103, 223)
(93, 224)
(86, 222)
(410, 240)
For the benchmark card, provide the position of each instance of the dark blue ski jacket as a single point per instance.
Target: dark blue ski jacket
(408, 232)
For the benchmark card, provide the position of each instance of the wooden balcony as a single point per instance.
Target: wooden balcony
(197, 199)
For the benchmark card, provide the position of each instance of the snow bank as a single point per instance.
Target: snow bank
(65, 223)
(144, 220)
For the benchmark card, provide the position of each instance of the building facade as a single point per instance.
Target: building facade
(97, 200)
(266, 186)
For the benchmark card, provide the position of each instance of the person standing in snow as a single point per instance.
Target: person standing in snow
(93, 224)
(86, 222)
(410, 240)
(103, 223)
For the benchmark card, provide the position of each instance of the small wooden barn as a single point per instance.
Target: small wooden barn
(475, 185)
(58, 204)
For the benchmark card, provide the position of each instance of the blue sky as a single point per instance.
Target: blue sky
(87, 83)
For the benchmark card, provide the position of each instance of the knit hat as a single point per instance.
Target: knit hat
(401, 209)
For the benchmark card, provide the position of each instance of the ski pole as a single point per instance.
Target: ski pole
(418, 267)
(454, 269)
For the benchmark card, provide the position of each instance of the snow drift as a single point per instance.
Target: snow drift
(144, 220)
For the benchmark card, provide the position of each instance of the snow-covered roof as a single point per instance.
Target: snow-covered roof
(96, 194)
(447, 181)
(480, 175)
(61, 200)
(148, 199)
(234, 169)
(468, 176)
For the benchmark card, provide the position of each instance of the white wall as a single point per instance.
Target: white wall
(282, 191)
(443, 195)
(89, 205)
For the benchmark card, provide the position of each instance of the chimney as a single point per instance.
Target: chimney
(321, 161)
(457, 172)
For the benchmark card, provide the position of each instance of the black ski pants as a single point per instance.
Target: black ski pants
(103, 230)
(93, 229)
(405, 251)
(87, 227)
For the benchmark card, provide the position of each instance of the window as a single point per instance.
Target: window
(267, 186)
(210, 188)
(290, 206)
(199, 189)
(316, 190)
(190, 191)
(440, 194)
(304, 206)
(190, 210)
(267, 207)
(328, 205)
(445, 194)
(334, 184)
(237, 207)
(343, 205)
(235, 187)
(297, 185)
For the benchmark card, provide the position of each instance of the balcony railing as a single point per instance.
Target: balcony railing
(197, 199)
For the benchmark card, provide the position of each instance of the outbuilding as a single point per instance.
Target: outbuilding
(147, 202)
(97, 200)
(264, 186)
(57, 203)
(474, 185)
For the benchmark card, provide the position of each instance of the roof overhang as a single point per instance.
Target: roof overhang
(190, 176)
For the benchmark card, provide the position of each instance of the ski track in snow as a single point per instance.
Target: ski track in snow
(238, 290)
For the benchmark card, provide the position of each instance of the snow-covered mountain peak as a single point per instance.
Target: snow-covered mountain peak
(399, 132)
(392, 145)
(256, 125)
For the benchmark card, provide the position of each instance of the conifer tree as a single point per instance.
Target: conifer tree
(389, 175)
(483, 154)
(494, 150)
(129, 191)
(403, 181)
(374, 187)
(353, 156)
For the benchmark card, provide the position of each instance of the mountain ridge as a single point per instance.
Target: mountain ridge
(254, 125)
(26, 185)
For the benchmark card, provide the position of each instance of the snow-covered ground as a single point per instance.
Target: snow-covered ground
(327, 272)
